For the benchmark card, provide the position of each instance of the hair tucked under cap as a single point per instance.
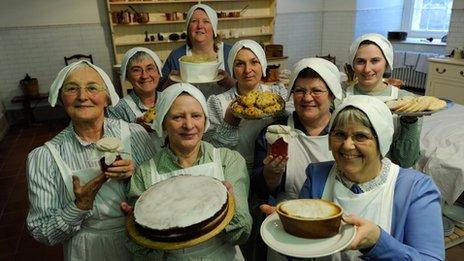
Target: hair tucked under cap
(131, 52)
(167, 97)
(254, 47)
(327, 70)
(212, 15)
(382, 43)
(59, 80)
(378, 113)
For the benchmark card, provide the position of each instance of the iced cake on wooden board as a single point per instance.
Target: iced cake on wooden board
(181, 208)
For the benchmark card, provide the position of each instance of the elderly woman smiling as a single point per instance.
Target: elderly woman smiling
(202, 40)
(247, 63)
(371, 55)
(396, 210)
(71, 199)
(182, 119)
(315, 88)
(141, 67)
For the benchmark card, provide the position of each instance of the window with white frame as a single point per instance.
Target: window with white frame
(426, 18)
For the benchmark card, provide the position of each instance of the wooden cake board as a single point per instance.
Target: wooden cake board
(135, 236)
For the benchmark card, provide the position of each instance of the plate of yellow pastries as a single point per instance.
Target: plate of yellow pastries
(257, 105)
(147, 119)
(418, 106)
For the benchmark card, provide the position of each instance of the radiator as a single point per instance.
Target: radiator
(411, 77)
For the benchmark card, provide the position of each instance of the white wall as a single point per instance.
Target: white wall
(35, 35)
(299, 28)
(45, 12)
(456, 30)
(299, 6)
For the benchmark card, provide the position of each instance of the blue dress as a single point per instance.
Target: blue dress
(417, 228)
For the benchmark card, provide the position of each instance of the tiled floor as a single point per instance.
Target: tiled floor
(15, 242)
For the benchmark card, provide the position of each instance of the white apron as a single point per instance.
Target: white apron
(138, 113)
(375, 205)
(215, 248)
(134, 108)
(102, 236)
(393, 96)
(302, 150)
(211, 88)
(248, 131)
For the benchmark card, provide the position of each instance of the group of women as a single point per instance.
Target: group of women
(346, 147)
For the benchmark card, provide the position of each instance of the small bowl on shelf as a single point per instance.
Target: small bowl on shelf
(234, 14)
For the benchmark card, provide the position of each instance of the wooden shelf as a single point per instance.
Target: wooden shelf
(182, 40)
(181, 21)
(169, 2)
(259, 17)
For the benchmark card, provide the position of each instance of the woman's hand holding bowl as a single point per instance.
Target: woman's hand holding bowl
(267, 209)
(367, 233)
(227, 81)
(230, 119)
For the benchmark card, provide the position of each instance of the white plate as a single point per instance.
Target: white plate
(177, 78)
(449, 104)
(448, 226)
(454, 212)
(275, 237)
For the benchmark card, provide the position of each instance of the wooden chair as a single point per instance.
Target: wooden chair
(78, 57)
(327, 57)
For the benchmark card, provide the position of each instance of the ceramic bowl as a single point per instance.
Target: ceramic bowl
(310, 218)
(197, 72)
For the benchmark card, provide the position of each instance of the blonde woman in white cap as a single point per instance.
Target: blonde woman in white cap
(142, 68)
(181, 120)
(371, 55)
(247, 63)
(74, 200)
(201, 26)
(395, 210)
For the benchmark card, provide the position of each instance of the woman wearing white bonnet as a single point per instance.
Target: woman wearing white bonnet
(394, 209)
(315, 88)
(74, 198)
(247, 63)
(371, 55)
(181, 121)
(201, 26)
(142, 68)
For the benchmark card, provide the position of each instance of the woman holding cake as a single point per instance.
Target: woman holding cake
(74, 194)
(371, 55)
(395, 209)
(315, 89)
(202, 40)
(247, 63)
(181, 120)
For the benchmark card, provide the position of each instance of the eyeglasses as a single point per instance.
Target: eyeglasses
(357, 137)
(301, 92)
(138, 71)
(71, 89)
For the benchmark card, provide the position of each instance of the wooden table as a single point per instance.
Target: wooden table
(26, 102)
